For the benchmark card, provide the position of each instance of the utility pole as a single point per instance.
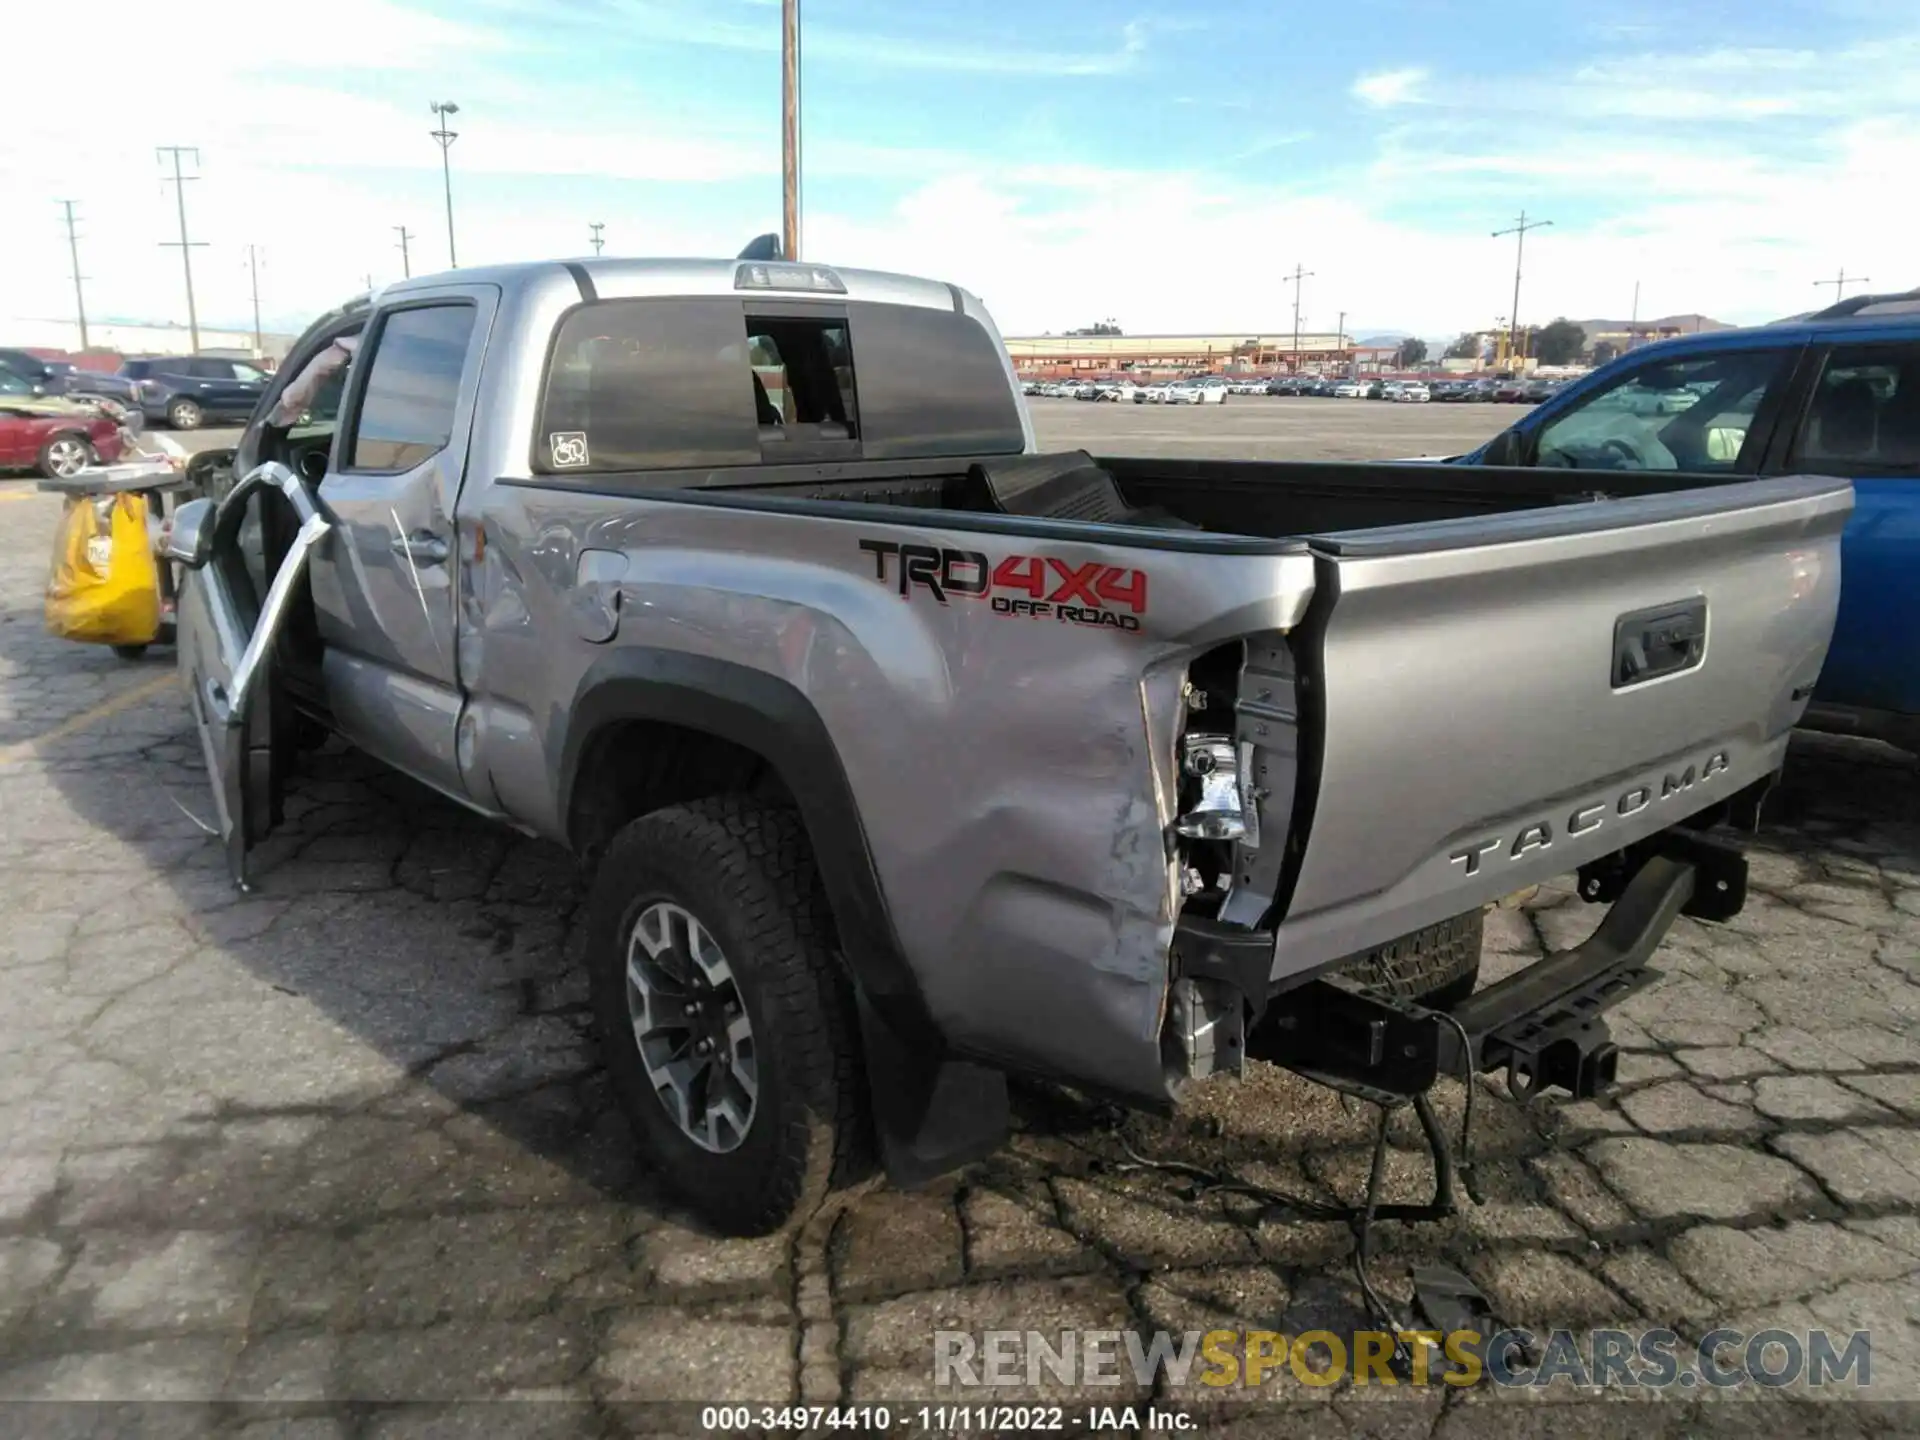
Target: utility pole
(1841, 281)
(1633, 325)
(596, 227)
(1299, 274)
(1340, 340)
(73, 249)
(253, 270)
(187, 247)
(442, 109)
(790, 128)
(406, 256)
(1519, 230)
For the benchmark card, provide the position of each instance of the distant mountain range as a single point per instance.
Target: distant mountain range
(1685, 324)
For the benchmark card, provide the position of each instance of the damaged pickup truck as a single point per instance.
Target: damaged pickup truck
(907, 758)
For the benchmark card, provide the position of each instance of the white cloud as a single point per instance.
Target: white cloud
(1737, 235)
(700, 23)
(1390, 87)
(1724, 180)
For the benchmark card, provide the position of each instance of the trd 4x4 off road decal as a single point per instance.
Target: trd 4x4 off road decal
(1039, 587)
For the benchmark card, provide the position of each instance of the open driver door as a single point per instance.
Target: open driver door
(226, 643)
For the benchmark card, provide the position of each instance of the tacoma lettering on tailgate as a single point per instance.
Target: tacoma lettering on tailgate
(1037, 587)
(1538, 834)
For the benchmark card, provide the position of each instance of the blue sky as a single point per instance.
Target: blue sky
(1160, 164)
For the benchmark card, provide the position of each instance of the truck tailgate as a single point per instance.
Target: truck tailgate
(1500, 700)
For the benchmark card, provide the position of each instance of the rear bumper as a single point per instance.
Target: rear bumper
(1542, 1025)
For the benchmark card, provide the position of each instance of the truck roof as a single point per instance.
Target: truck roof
(613, 278)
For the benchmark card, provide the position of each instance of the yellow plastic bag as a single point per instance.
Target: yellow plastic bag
(105, 587)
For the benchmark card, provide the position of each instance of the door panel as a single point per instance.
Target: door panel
(1875, 660)
(384, 585)
(226, 634)
(1862, 420)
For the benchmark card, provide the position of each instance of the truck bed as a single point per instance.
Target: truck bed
(1421, 672)
(1249, 499)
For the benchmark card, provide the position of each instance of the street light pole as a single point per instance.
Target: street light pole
(73, 249)
(187, 247)
(253, 273)
(1340, 339)
(596, 227)
(406, 256)
(790, 128)
(1840, 281)
(1299, 274)
(442, 109)
(1519, 230)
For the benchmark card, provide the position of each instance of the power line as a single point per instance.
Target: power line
(1299, 274)
(596, 227)
(1519, 230)
(187, 247)
(73, 250)
(446, 137)
(406, 258)
(1841, 281)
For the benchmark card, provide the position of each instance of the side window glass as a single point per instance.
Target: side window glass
(1690, 414)
(413, 388)
(1865, 412)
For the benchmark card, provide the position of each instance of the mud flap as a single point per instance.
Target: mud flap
(226, 645)
(932, 1113)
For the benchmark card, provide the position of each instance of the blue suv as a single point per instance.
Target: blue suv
(1835, 392)
(186, 391)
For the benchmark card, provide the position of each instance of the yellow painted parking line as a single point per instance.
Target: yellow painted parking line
(19, 494)
(74, 724)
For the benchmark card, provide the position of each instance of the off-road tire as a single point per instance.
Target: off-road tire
(745, 870)
(1437, 966)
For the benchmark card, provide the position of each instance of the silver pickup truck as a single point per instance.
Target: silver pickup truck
(907, 757)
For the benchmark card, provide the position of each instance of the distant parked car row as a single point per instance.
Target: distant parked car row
(1202, 390)
(1211, 389)
(1518, 391)
(184, 391)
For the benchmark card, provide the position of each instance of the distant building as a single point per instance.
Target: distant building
(1051, 356)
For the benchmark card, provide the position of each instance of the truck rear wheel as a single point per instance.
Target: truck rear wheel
(728, 1024)
(1437, 966)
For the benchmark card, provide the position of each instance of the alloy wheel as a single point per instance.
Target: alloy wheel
(691, 1027)
(67, 457)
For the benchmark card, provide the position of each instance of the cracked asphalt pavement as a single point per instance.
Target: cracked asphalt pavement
(344, 1143)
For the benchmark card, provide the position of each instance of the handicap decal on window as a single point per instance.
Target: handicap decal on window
(568, 448)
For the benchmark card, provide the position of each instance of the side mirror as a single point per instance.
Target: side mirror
(190, 534)
(211, 472)
(1504, 449)
(1724, 443)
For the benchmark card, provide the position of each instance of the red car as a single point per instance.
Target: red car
(44, 435)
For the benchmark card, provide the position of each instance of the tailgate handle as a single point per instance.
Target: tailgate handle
(1663, 640)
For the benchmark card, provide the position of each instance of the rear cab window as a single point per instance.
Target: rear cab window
(719, 382)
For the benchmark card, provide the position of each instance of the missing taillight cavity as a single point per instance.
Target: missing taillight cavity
(1209, 815)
